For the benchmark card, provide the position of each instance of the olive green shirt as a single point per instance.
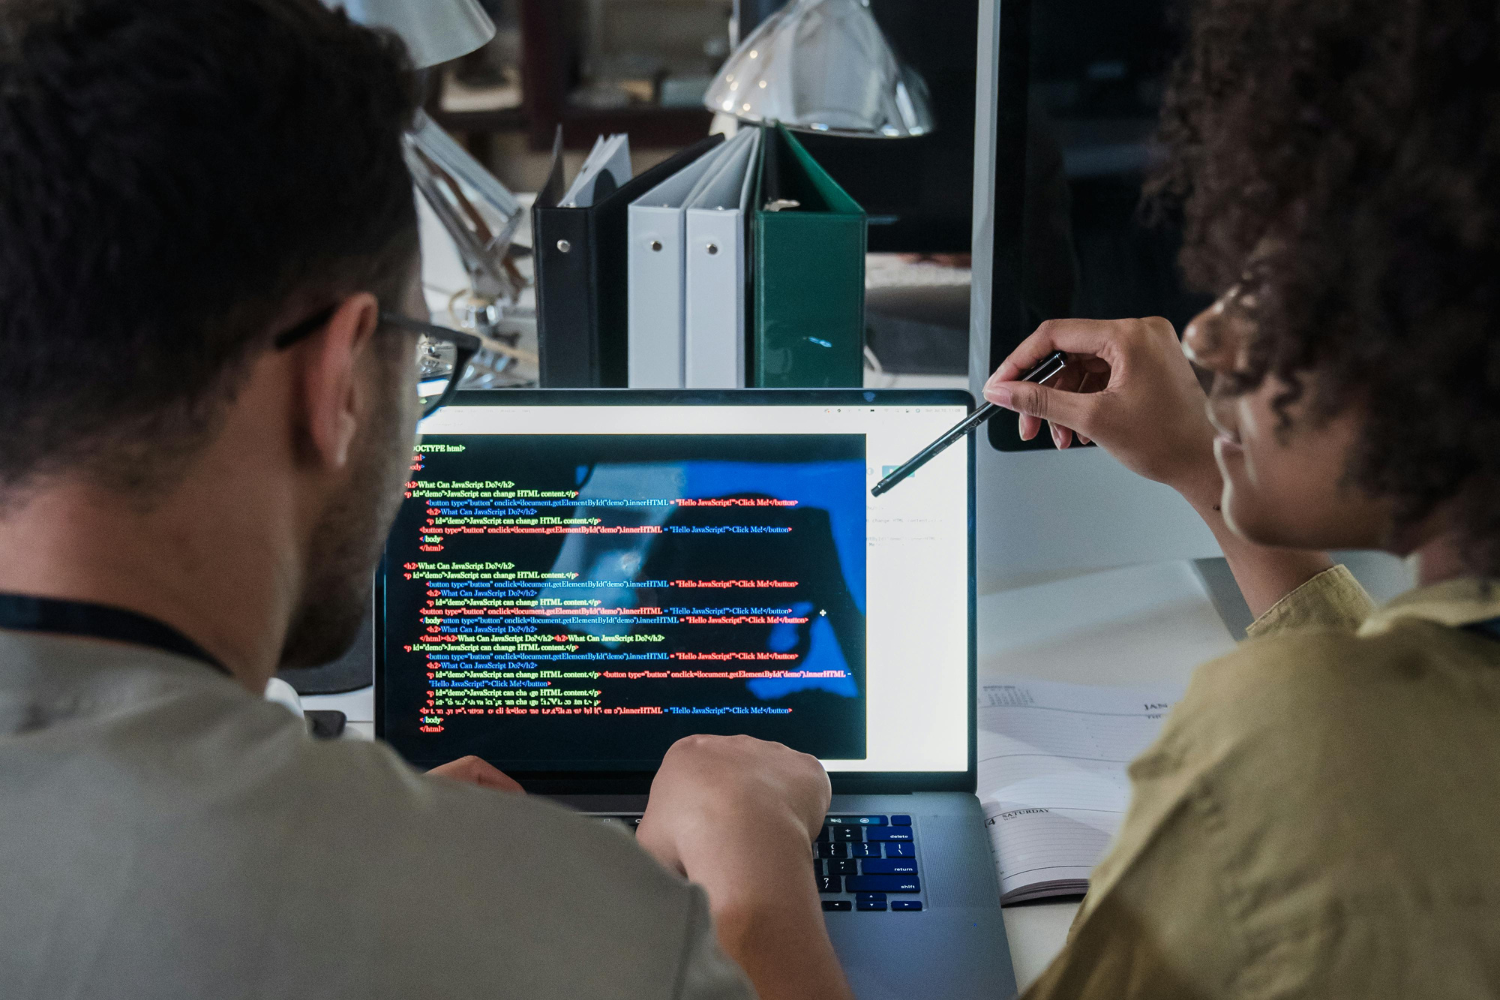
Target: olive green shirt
(1320, 816)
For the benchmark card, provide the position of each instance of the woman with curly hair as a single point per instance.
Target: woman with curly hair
(1319, 815)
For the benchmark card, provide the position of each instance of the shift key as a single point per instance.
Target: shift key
(882, 883)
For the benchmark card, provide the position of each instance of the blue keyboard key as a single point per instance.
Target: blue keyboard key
(864, 850)
(902, 904)
(882, 883)
(888, 833)
(890, 866)
(896, 850)
(854, 820)
(869, 897)
(900, 821)
(869, 904)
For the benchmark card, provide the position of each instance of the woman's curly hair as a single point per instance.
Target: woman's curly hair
(1340, 159)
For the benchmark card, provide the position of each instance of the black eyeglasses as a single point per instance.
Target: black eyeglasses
(443, 355)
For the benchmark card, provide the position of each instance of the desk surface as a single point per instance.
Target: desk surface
(1141, 625)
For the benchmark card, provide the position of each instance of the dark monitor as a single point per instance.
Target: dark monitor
(1075, 109)
(918, 193)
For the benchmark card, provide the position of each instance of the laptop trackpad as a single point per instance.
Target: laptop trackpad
(936, 954)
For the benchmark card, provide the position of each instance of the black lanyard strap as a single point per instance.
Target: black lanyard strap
(24, 613)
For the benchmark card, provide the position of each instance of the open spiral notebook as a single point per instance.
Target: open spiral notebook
(1052, 775)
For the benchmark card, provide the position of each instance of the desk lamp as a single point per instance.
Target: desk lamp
(822, 66)
(478, 212)
(435, 31)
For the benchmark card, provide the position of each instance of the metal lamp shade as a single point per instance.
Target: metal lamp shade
(822, 66)
(434, 31)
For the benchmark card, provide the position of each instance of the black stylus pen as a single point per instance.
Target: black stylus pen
(1045, 369)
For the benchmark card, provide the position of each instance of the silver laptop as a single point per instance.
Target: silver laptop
(577, 578)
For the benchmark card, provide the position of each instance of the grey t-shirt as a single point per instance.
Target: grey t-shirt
(163, 833)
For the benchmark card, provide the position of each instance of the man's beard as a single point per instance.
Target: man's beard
(347, 544)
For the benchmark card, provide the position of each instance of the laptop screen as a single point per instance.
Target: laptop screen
(577, 579)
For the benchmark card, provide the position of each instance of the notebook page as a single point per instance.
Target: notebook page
(1037, 851)
(1052, 761)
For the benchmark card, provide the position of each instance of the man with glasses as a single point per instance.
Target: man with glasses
(442, 357)
(208, 317)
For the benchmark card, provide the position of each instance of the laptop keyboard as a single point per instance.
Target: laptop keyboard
(861, 863)
(867, 863)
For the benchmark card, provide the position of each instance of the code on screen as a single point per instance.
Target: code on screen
(580, 601)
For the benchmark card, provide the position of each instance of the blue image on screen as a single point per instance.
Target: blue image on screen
(837, 487)
(830, 509)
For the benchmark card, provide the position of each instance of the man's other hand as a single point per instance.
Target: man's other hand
(709, 787)
(738, 816)
(474, 771)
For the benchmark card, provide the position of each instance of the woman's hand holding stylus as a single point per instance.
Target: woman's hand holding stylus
(1127, 387)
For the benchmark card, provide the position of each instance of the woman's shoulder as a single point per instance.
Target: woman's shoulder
(1328, 721)
(1411, 671)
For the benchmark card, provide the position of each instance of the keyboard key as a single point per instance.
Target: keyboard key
(833, 883)
(838, 905)
(896, 850)
(864, 850)
(888, 833)
(848, 866)
(876, 866)
(902, 904)
(900, 821)
(883, 883)
(847, 834)
(855, 820)
(823, 836)
(820, 867)
(869, 904)
(833, 851)
(869, 896)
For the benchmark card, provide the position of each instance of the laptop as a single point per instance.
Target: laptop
(578, 578)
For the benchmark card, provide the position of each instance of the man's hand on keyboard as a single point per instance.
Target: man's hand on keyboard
(738, 816)
(475, 771)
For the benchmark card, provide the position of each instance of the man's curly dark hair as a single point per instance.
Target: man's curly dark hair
(1340, 159)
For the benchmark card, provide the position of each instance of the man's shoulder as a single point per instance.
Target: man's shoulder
(476, 883)
(185, 795)
(361, 800)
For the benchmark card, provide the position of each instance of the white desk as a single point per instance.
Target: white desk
(1134, 625)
